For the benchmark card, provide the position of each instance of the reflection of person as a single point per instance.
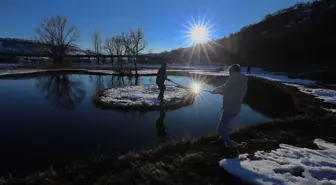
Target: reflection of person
(233, 92)
(160, 127)
(160, 79)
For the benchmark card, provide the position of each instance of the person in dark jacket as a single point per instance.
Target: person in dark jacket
(248, 70)
(160, 79)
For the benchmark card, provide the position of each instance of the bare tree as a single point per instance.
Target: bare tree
(134, 42)
(97, 43)
(114, 46)
(57, 37)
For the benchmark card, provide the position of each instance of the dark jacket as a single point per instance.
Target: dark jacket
(161, 76)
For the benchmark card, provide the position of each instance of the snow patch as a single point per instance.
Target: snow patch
(279, 77)
(284, 79)
(220, 73)
(108, 72)
(154, 71)
(288, 165)
(20, 71)
(141, 95)
(331, 110)
(328, 95)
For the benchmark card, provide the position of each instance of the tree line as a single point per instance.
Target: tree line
(301, 36)
(58, 37)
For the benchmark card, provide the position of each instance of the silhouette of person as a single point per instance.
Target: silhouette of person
(160, 127)
(233, 92)
(160, 79)
(248, 70)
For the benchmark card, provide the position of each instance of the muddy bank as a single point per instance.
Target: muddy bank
(276, 100)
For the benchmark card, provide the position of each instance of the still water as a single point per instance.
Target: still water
(52, 121)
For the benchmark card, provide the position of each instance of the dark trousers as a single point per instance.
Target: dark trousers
(162, 88)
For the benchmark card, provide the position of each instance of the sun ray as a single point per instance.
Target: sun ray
(199, 39)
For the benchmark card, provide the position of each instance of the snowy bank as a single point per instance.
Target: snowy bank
(278, 77)
(154, 71)
(288, 165)
(327, 95)
(283, 78)
(34, 71)
(220, 73)
(20, 71)
(105, 72)
(142, 97)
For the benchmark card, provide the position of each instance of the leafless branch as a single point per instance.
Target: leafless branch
(56, 35)
(97, 42)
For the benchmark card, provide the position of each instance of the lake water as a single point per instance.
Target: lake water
(52, 121)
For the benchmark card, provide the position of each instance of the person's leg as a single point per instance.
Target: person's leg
(161, 88)
(224, 126)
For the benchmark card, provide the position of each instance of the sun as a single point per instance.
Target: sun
(198, 31)
(195, 88)
(199, 34)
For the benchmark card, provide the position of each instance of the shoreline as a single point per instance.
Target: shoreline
(196, 161)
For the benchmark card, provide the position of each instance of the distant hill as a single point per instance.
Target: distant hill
(299, 36)
(15, 45)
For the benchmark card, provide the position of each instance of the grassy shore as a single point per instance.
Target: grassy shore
(300, 119)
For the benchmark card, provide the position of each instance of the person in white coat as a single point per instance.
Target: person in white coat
(233, 92)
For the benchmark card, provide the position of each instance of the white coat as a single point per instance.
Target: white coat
(233, 92)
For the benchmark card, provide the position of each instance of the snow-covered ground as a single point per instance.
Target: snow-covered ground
(141, 95)
(328, 95)
(19, 71)
(108, 72)
(220, 73)
(284, 165)
(279, 77)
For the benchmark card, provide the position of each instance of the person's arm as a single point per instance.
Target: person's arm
(221, 89)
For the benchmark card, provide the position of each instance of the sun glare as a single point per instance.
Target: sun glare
(195, 87)
(198, 31)
(199, 34)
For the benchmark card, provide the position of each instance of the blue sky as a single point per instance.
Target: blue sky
(161, 20)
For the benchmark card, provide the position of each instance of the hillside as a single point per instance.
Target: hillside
(15, 45)
(289, 38)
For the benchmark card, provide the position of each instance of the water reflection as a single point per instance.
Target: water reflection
(38, 145)
(62, 91)
(160, 126)
(104, 82)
